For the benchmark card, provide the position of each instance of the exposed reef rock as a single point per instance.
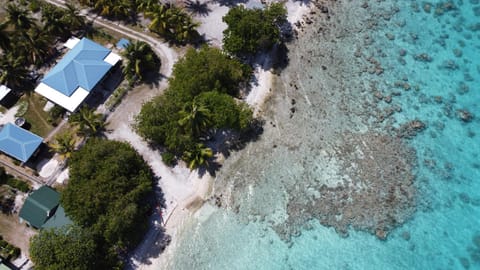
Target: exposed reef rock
(410, 129)
(376, 195)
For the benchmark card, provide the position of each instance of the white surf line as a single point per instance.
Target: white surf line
(303, 90)
(301, 85)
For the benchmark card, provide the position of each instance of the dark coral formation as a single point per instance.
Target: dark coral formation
(378, 196)
(410, 129)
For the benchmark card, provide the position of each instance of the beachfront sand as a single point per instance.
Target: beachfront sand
(185, 192)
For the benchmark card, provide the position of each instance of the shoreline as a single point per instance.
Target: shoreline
(185, 197)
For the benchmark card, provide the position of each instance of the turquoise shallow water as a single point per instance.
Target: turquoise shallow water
(444, 231)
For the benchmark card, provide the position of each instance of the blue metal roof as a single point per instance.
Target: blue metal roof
(123, 43)
(18, 142)
(83, 66)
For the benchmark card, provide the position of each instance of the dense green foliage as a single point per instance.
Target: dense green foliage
(208, 69)
(140, 59)
(66, 248)
(199, 99)
(107, 192)
(252, 30)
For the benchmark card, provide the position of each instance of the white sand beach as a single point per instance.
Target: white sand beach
(185, 192)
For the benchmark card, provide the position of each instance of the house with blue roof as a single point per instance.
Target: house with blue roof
(70, 82)
(18, 142)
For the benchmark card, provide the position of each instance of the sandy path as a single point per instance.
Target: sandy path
(184, 191)
(167, 55)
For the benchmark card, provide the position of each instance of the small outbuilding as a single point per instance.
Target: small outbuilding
(122, 43)
(42, 209)
(18, 142)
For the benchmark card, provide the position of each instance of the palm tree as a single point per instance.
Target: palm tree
(72, 18)
(172, 23)
(160, 17)
(146, 5)
(114, 8)
(35, 45)
(19, 18)
(195, 118)
(4, 37)
(52, 18)
(140, 59)
(64, 145)
(12, 71)
(88, 122)
(197, 156)
(185, 30)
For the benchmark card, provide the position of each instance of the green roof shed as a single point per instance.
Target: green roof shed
(40, 206)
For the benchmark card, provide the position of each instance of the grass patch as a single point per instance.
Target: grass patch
(36, 117)
(102, 36)
(13, 182)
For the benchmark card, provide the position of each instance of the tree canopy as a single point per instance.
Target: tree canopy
(70, 247)
(199, 98)
(171, 22)
(107, 192)
(140, 59)
(252, 30)
(208, 69)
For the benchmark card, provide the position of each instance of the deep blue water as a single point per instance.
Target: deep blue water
(437, 52)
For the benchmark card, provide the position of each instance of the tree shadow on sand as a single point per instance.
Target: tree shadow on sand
(197, 8)
(230, 3)
(155, 239)
(225, 142)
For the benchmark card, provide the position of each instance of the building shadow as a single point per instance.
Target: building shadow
(105, 88)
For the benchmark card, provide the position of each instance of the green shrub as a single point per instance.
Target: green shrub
(18, 184)
(22, 109)
(168, 158)
(55, 114)
(34, 6)
(8, 251)
(116, 97)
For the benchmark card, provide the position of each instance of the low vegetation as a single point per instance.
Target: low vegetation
(200, 98)
(7, 179)
(8, 251)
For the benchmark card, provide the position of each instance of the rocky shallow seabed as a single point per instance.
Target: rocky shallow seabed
(372, 127)
(373, 187)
